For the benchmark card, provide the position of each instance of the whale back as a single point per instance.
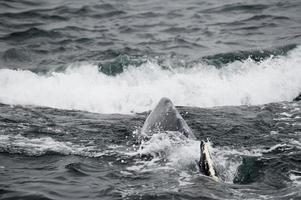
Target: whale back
(165, 117)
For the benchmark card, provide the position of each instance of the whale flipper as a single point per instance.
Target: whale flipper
(165, 117)
(206, 164)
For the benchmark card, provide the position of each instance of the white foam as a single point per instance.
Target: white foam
(274, 132)
(41, 146)
(179, 154)
(184, 179)
(185, 155)
(166, 144)
(138, 89)
(295, 177)
(295, 143)
(275, 147)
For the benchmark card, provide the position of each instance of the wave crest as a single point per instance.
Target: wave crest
(137, 89)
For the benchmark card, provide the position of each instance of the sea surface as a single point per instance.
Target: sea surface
(78, 79)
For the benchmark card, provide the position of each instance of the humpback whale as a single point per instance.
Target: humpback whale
(205, 164)
(165, 117)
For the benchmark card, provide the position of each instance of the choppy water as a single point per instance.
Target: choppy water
(77, 79)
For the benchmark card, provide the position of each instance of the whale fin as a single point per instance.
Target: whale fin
(165, 117)
(206, 164)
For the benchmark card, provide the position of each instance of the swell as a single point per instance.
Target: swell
(62, 13)
(31, 33)
(220, 60)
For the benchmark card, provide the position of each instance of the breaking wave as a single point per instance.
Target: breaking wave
(138, 88)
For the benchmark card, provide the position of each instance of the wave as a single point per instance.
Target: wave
(31, 33)
(83, 86)
(219, 60)
(40, 146)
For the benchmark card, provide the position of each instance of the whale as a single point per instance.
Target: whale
(165, 117)
(205, 163)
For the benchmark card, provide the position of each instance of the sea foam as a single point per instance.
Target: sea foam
(139, 88)
(44, 145)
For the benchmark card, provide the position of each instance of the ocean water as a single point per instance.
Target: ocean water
(78, 79)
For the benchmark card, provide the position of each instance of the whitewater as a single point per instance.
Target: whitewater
(82, 86)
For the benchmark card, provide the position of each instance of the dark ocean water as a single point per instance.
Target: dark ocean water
(77, 81)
